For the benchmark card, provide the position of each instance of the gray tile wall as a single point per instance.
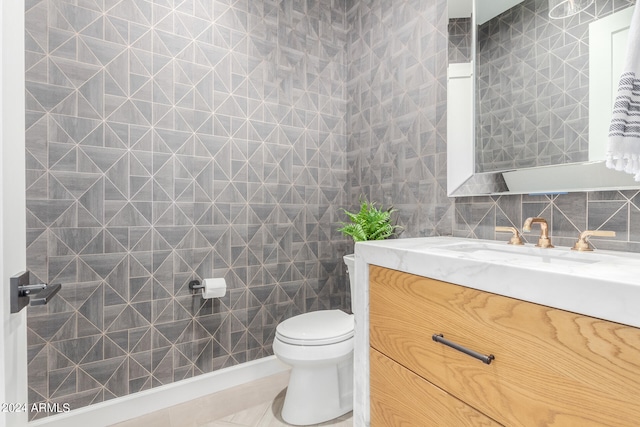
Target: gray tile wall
(533, 86)
(567, 215)
(172, 140)
(459, 40)
(396, 114)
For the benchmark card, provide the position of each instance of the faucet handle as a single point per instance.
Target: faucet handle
(515, 239)
(583, 243)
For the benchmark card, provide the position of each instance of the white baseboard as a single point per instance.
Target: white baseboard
(142, 403)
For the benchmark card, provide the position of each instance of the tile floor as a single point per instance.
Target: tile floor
(256, 404)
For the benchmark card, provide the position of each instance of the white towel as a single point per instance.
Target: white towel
(623, 152)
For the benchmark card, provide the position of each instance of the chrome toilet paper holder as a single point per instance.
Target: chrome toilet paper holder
(23, 294)
(210, 288)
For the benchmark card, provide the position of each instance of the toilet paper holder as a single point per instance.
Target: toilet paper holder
(210, 288)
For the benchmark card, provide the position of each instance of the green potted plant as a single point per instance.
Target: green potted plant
(369, 223)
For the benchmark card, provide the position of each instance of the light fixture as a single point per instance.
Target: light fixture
(559, 9)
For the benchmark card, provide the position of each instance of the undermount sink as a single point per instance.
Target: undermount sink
(502, 252)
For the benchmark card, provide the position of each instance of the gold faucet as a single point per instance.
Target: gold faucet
(583, 244)
(544, 241)
(515, 239)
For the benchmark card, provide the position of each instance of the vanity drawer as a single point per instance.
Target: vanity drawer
(551, 367)
(394, 393)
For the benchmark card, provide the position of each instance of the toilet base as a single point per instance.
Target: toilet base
(319, 393)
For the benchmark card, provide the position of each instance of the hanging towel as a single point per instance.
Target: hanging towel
(623, 151)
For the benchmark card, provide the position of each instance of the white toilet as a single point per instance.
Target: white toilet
(319, 348)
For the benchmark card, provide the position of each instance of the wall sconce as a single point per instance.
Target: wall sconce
(559, 9)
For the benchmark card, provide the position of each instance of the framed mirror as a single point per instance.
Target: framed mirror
(529, 106)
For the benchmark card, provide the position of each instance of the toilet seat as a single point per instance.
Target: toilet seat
(316, 328)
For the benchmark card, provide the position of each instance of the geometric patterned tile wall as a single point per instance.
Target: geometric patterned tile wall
(173, 140)
(459, 40)
(533, 86)
(396, 91)
(567, 215)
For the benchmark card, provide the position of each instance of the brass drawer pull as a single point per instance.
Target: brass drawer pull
(441, 339)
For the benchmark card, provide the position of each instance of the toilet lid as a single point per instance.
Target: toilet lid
(316, 328)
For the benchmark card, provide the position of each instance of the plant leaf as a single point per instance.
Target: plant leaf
(369, 223)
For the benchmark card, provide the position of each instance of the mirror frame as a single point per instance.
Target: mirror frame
(463, 181)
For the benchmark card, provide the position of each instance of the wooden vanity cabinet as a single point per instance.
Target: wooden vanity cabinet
(550, 367)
